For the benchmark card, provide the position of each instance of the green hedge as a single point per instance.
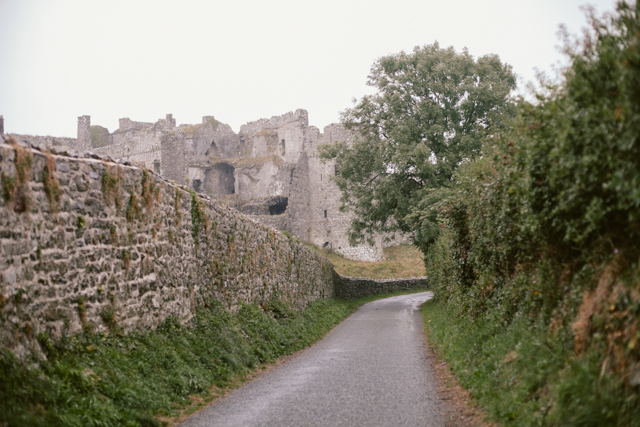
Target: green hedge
(537, 242)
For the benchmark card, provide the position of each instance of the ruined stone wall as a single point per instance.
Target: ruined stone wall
(329, 226)
(57, 143)
(187, 154)
(139, 146)
(281, 138)
(291, 126)
(126, 124)
(268, 158)
(299, 199)
(88, 244)
(260, 177)
(100, 137)
(175, 169)
(277, 166)
(217, 139)
(137, 142)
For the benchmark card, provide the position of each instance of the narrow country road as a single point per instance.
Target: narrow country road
(371, 370)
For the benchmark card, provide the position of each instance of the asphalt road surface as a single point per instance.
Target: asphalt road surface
(371, 370)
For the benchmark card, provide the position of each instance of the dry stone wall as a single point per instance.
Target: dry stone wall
(87, 243)
(358, 287)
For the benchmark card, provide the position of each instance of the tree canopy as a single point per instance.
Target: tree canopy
(431, 110)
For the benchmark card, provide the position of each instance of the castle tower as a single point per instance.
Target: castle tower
(171, 122)
(1, 125)
(84, 134)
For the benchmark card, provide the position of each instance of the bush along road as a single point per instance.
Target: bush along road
(535, 268)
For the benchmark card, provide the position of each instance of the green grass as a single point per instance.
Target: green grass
(522, 375)
(143, 377)
(400, 261)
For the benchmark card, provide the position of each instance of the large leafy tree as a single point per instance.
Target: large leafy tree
(431, 110)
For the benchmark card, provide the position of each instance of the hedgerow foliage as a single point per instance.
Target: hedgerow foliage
(542, 233)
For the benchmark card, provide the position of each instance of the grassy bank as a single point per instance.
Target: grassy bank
(399, 261)
(140, 378)
(523, 376)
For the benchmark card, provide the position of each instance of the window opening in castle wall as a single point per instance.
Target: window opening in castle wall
(197, 185)
(279, 207)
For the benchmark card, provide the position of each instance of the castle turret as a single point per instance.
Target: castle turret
(1, 125)
(171, 122)
(84, 134)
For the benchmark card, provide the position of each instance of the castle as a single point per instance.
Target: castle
(269, 171)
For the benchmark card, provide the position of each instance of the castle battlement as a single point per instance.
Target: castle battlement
(270, 170)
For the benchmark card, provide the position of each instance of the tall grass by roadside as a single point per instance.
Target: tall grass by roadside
(523, 376)
(143, 377)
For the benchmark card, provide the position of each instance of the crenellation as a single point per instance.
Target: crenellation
(167, 123)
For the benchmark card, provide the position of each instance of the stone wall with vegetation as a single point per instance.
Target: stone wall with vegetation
(88, 244)
(358, 287)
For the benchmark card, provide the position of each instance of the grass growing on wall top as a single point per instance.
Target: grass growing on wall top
(139, 378)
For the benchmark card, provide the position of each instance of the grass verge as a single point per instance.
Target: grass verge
(400, 261)
(524, 376)
(151, 378)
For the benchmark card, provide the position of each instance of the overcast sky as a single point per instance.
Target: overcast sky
(241, 60)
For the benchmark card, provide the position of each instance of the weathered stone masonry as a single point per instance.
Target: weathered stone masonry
(270, 170)
(358, 287)
(90, 243)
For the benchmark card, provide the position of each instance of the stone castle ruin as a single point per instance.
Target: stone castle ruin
(269, 171)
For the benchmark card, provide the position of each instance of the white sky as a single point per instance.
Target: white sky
(241, 60)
